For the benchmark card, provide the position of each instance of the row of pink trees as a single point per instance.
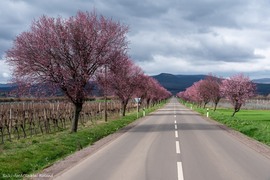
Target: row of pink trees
(68, 53)
(126, 80)
(237, 89)
(151, 91)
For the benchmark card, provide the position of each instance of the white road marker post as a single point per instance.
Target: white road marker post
(137, 109)
(137, 100)
(207, 112)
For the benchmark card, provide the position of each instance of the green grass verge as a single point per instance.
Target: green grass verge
(253, 123)
(27, 156)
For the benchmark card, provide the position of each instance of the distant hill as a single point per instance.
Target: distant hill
(262, 81)
(263, 89)
(7, 87)
(177, 83)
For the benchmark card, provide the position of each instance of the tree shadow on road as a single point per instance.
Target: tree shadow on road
(170, 127)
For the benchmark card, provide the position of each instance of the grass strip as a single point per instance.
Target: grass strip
(24, 157)
(253, 123)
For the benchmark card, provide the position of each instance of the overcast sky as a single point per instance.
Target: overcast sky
(224, 37)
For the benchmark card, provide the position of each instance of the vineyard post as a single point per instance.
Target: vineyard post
(57, 106)
(45, 119)
(10, 112)
(57, 109)
(53, 108)
(9, 125)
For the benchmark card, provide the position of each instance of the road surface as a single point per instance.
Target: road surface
(173, 143)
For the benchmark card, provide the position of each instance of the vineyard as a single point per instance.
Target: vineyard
(24, 119)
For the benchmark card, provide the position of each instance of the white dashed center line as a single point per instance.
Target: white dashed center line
(177, 147)
(180, 175)
(176, 134)
(180, 171)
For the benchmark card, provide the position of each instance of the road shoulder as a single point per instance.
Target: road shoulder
(252, 143)
(73, 159)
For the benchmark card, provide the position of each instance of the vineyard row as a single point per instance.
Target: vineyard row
(20, 120)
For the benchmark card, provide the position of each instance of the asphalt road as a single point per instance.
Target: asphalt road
(173, 143)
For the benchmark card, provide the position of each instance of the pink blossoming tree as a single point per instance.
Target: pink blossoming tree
(152, 91)
(212, 86)
(204, 91)
(238, 89)
(65, 53)
(122, 79)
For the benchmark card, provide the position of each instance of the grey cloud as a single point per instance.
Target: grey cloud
(228, 52)
(147, 9)
(4, 46)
